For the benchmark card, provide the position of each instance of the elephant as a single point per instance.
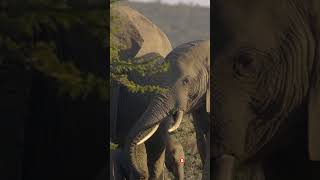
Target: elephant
(139, 40)
(187, 92)
(134, 42)
(266, 89)
(173, 155)
(119, 168)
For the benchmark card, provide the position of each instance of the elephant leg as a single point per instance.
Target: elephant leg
(224, 168)
(174, 154)
(200, 136)
(201, 124)
(253, 171)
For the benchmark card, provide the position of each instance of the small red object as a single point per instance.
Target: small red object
(181, 160)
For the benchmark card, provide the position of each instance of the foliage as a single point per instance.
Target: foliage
(71, 80)
(35, 42)
(113, 146)
(120, 69)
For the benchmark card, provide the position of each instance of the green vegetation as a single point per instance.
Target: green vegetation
(113, 146)
(31, 35)
(119, 68)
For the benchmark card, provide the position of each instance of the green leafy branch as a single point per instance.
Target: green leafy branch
(71, 80)
(113, 146)
(33, 43)
(120, 69)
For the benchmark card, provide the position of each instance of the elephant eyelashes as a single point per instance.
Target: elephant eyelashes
(185, 81)
(245, 60)
(244, 64)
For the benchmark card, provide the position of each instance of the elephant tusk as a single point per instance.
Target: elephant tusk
(177, 122)
(148, 135)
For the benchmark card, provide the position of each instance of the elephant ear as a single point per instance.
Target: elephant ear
(314, 123)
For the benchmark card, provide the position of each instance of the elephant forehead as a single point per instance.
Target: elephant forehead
(260, 23)
(189, 58)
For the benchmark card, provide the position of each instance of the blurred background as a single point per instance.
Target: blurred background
(181, 20)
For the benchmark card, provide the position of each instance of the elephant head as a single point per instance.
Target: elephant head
(174, 154)
(187, 86)
(266, 67)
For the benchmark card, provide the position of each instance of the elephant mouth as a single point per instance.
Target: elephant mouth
(178, 115)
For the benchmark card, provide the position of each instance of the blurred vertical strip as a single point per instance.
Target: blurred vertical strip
(210, 168)
(53, 89)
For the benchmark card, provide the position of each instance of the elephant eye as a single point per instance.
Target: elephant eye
(245, 60)
(185, 81)
(244, 64)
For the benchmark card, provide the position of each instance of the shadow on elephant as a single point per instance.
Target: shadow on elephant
(266, 89)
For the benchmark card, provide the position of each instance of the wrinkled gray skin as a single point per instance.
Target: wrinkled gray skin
(140, 40)
(266, 88)
(161, 149)
(187, 83)
(137, 35)
(120, 170)
(173, 163)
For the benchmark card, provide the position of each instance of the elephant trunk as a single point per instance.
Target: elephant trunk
(229, 128)
(160, 107)
(224, 167)
(181, 172)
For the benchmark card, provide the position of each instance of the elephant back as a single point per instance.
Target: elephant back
(136, 35)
